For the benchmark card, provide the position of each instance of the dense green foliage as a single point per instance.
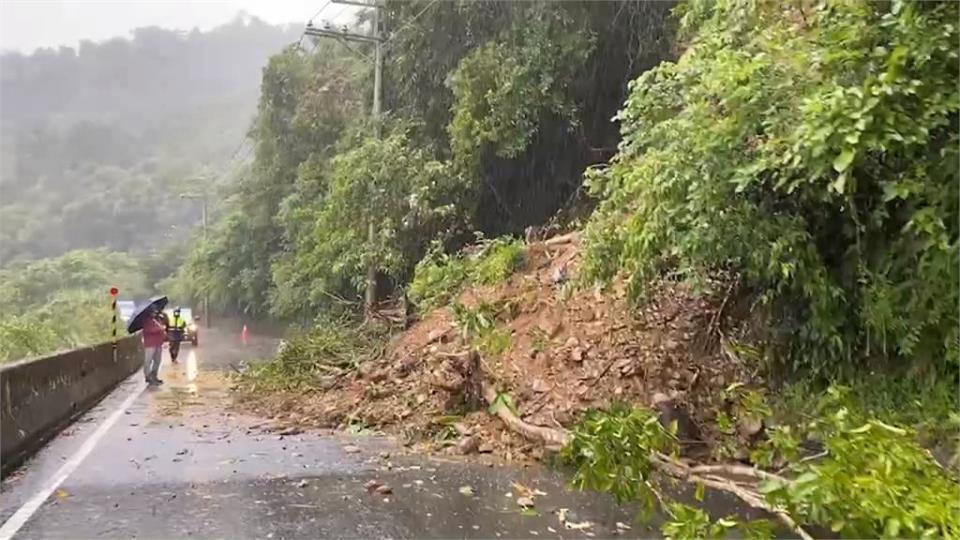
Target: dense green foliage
(396, 188)
(439, 277)
(305, 105)
(519, 95)
(808, 151)
(875, 481)
(63, 302)
(329, 349)
(872, 481)
(926, 408)
(99, 141)
(814, 151)
(613, 452)
(470, 141)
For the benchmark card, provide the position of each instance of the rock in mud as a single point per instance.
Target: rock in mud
(437, 334)
(673, 414)
(468, 445)
(539, 386)
(748, 426)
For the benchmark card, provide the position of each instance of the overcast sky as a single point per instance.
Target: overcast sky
(28, 24)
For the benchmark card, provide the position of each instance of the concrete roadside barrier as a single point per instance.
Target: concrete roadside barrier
(40, 396)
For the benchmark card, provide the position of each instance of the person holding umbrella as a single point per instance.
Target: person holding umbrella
(154, 334)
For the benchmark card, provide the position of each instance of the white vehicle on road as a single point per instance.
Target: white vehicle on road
(126, 307)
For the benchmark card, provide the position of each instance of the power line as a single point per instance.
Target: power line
(408, 23)
(309, 22)
(323, 7)
(339, 13)
(313, 32)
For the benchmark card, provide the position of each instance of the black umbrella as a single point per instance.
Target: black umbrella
(157, 303)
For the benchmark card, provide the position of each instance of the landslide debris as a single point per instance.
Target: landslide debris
(539, 346)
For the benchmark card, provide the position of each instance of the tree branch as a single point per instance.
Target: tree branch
(684, 472)
(557, 438)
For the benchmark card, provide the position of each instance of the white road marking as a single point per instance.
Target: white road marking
(19, 519)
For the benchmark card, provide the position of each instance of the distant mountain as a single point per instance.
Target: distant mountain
(97, 142)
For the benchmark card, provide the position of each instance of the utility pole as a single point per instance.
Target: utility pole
(203, 221)
(376, 38)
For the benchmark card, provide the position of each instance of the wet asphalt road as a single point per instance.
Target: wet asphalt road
(180, 464)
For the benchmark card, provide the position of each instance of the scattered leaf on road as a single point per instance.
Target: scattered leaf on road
(623, 526)
(350, 449)
(525, 502)
(466, 490)
(302, 484)
(383, 489)
(62, 494)
(525, 491)
(577, 526)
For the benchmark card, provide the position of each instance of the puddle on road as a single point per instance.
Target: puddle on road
(189, 388)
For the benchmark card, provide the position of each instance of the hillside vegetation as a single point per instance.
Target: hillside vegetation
(98, 142)
(812, 154)
(63, 302)
(712, 242)
(495, 109)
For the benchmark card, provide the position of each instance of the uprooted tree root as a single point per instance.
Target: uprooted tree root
(737, 480)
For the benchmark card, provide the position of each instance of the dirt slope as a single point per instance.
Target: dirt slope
(568, 350)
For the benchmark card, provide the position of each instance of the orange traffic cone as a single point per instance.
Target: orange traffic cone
(244, 334)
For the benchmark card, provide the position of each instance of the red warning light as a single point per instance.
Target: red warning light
(114, 291)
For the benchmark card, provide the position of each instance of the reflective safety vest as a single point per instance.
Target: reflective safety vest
(177, 323)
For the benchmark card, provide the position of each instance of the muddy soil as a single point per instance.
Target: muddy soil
(569, 349)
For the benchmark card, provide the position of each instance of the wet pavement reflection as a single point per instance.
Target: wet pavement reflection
(181, 464)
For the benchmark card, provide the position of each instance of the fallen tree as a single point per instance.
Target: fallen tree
(871, 480)
(719, 477)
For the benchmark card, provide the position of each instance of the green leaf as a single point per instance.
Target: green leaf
(806, 478)
(727, 522)
(699, 493)
(769, 486)
(839, 184)
(892, 528)
(843, 160)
